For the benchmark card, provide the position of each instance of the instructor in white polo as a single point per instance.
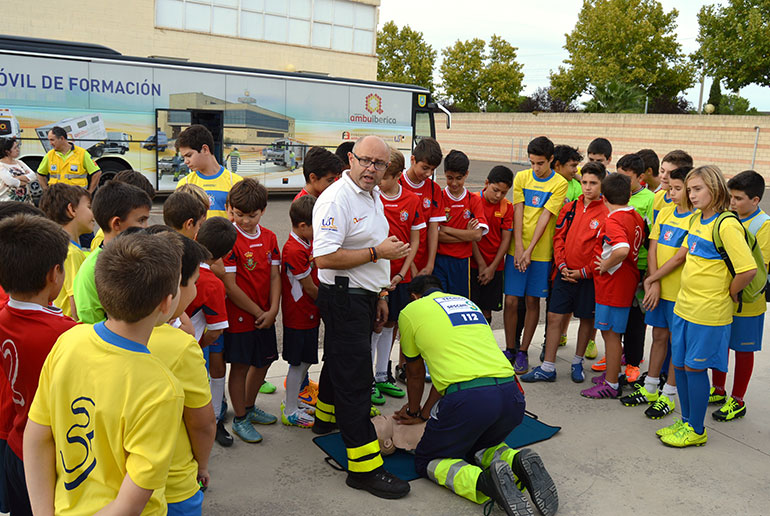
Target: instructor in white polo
(352, 250)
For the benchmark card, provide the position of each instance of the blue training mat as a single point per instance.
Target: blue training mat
(401, 463)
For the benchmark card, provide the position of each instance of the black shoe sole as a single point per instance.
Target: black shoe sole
(507, 494)
(355, 483)
(323, 428)
(223, 437)
(529, 468)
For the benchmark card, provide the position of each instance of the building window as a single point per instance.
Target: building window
(341, 25)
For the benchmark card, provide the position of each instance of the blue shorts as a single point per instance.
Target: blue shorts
(573, 298)
(746, 333)
(218, 346)
(612, 318)
(193, 506)
(532, 282)
(454, 274)
(697, 346)
(662, 316)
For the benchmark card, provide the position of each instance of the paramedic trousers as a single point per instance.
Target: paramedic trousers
(344, 388)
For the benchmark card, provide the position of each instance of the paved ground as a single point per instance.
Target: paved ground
(605, 461)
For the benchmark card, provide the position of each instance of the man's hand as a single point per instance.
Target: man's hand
(382, 315)
(392, 249)
(402, 418)
(486, 275)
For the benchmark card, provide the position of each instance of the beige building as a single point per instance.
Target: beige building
(333, 37)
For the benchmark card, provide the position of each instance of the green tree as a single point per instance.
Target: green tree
(735, 42)
(474, 77)
(615, 97)
(734, 104)
(632, 42)
(404, 56)
(715, 94)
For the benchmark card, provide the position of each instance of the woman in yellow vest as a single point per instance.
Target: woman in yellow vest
(67, 163)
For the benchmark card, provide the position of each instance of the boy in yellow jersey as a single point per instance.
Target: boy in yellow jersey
(117, 206)
(70, 207)
(538, 196)
(131, 177)
(665, 261)
(703, 313)
(197, 426)
(103, 425)
(746, 191)
(196, 145)
(671, 161)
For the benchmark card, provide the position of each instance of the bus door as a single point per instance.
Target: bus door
(422, 118)
(214, 121)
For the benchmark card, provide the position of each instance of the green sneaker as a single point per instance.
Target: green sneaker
(563, 340)
(246, 431)
(685, 437)
(670, 429)
(731, 410)
(377, 397)
(716, 399)
(260, 417)
(639, 396)
(661, 408)
(591, 351)
(267, 388)
(390, 389)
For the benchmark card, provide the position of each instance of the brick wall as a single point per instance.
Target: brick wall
(726, 141)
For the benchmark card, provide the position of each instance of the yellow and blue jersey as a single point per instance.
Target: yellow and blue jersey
(217, 187)
(538, 194)
(704, 297)
(670, 230)
(661, 200)
(762, 234)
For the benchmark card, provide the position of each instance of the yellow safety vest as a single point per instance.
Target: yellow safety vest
(70, 170)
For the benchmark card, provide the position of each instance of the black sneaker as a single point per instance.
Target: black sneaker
(529, 469)
(401, 374)
(223, 437)
(322, 427)
(499, 484)
(380, 483)
(391, 378)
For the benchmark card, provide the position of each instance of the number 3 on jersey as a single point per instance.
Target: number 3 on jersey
(460, 310)
(80, 453)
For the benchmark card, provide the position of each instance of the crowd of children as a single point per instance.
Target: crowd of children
(162, 310)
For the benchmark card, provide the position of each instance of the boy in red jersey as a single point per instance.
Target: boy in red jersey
(465, 224)
(208, 313)
(32, 254)
(615, 277)
(489, 253)
(426, 156)
(404, 214)
(321, 168)
(253, 286)
(577, 228)
(301, 319)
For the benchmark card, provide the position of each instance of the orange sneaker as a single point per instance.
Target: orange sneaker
(308, 395)
(600, 366)
(632, 374)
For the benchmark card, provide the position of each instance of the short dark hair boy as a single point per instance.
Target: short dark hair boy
(595, 168)
(58, 197)
(115, 201)
(342, 153)
(247, 196)
(616, 189)
(541, 146)
(137, 179)
(563, 154)
(195, 137)
(218, 236)
(600, 146)
(301, 210)
(456, 161)
(749, 182)
(633, 163)
(679, 158)
(184, 213)
(501, 174)
(651, 168)
(429, 151)
(320, 168)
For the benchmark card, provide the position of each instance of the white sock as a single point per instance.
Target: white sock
(217, 386)
(669, 390)
(383, 355)
(651, 384)
(293, 382)
(577, 359)
(548, 367)
(375, 340)
(613, 385)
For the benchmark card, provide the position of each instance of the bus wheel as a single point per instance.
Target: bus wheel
(110, 167)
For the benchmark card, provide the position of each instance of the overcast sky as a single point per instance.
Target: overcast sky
(537, 29)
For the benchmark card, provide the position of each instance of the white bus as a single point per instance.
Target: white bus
(46, 83)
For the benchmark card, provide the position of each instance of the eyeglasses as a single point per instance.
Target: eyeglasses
(366, 163)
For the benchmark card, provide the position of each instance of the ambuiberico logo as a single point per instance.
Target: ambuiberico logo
(374, 112)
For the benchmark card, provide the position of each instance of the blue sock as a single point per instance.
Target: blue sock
(698, 385)
(684, 394)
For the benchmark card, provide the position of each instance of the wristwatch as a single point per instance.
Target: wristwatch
(383, 295)
(418, 414)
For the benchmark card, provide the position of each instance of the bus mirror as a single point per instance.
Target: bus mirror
(440, 107)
